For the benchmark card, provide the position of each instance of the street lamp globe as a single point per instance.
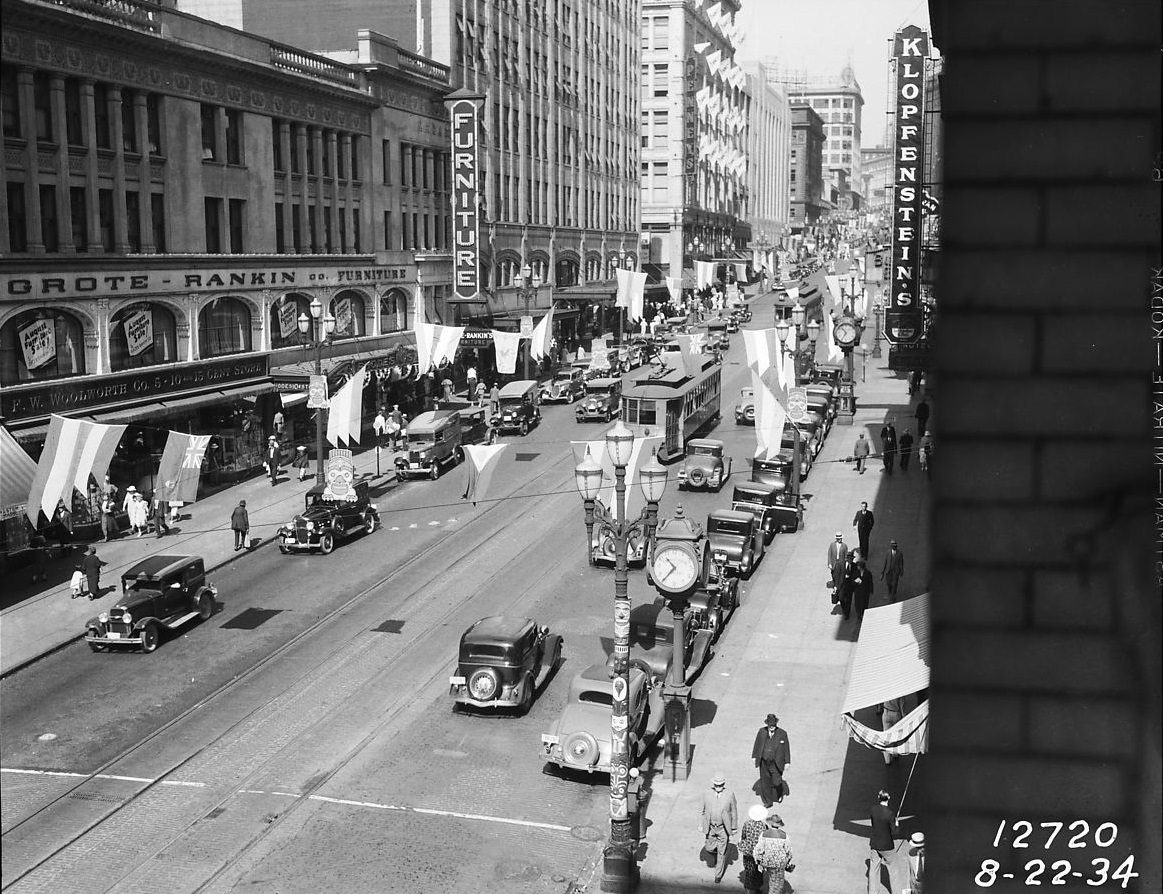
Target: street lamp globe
(316, 308)
(328, 324)
(781, 330)
(620, 444)
(587, 475)
(797, 314)
(652, 480)
(527, 270)
(304, 322)
(537, 280)
(814, 329)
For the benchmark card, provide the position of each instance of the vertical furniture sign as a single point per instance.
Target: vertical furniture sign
(903, 316)
(465, 113)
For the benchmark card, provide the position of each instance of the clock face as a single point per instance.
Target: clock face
(675, 569)
(845, 332)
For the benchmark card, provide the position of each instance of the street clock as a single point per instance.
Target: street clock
(846, 332)
(675, 567)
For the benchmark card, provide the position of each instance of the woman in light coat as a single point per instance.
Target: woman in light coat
(138, 514)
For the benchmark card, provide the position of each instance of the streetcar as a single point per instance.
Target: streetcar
(677, 402)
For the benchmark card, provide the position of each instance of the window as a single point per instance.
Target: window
(661, 33)
(356, 240)
(10, 99)
(326, 172)
(295, 130)
(153, 122)
(277, 144)
(73, 129)
(327, 228)
(389, 237)
(128, 123)
(280, 231)
(61, 334)
(347, 308)
(223, 327)
(209, 133)
(212, 211)
(17, 240)
(101, 116)
(405, 164)
(233, 137)
(387, 153)
(133, 219)
(42, 107)
(48, 218)
(142, 334)
(157, 203)
(284, 322)
(77, 211)
(394, 311)
(310, 152)
(661, 88)
(296, 227)
(237, 224)
(341, 160)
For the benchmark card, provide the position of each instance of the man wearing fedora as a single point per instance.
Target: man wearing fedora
(772, 754)
(718, 821)
(837, 553)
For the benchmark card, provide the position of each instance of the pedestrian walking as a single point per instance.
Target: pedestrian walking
(890, 712)
(274, 456)
(755, 826)
(279, 423)
(925, 452)
(773, 854)
(888, 441)
(478, 394)
(771, 753)
(130, 493)
(905, 450)
(77, 583)
(843, 592)
(380, 428)
(861, 449)
(861, 587)
(395, 426)
(161, 509)
(470, 382)
(64, 525)
(91, 565)
(893, 569)
(916, 863)
(301, 462)
(494, 400)
(922, 415)
(885, 831)
(39, 557)
(863, 521)
(837, 553)
(718, 821)
(138, 514)
(109, 516)
(240, 524)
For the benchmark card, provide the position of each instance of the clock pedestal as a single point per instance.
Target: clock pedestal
(678, 730)
(847, 398)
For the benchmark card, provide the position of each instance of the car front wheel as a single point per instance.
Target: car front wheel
(434, 470)
(326, 544)
(369, 522)
(149, 637)
(526, 694)
(205, 606)
(98, 647)
(523, 428)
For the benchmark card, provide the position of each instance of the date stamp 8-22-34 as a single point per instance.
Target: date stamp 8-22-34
(1057, 854)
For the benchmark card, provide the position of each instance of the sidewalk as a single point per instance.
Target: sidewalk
(46, 620)
(786, 652)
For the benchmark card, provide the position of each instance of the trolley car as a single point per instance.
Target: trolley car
(676, 403)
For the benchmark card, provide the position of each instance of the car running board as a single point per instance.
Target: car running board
(700, 652)
(179, 621)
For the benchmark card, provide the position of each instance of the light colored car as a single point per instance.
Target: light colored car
(580, 738)
(603, 401)
(567, 386)
(735, 541)
(745, 409)
(704, 466)
(602, 547)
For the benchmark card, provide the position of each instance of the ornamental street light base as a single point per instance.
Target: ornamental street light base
(619, 868)
(847, 409)
(678, 730)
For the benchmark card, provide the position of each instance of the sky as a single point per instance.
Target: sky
(821, 36)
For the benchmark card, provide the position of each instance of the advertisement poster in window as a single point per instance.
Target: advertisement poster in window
(343, 320)
(288, 319)
(38, 340)
(138, 331)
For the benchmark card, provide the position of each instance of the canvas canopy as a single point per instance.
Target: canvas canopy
(892, 655)
(18, 472)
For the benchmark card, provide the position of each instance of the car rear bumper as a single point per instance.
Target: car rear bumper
(460, 696)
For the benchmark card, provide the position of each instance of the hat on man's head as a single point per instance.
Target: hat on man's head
(718, 779)
(131, 489)
(892, 543)
(758, 813)
(839, 536)
(771, 720)
(301, 447)
(917, 838)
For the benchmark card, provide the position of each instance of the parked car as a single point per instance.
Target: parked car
(704, 467)
(826, 373)
(761, 500)
(787, 442)
(434, 441)
(603, 549)
(158, 593)
(325, 521)
(503, 662)
(567, 386)
(745, 409)
(776, 472)
(717, 337)
(580, 737)
(652, 640)
(519, 411)
(732, 322)
(735, 541)
(603, 401)
(625, 357)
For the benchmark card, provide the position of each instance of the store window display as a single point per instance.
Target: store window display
(224, 328)
(142, 334)
(348, 309)
(45, 343)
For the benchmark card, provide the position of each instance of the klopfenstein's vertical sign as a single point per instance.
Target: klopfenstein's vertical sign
(903, 316)
(464, 109)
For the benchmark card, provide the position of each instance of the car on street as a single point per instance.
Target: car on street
(625, 357)
(776, 472)
(603, 547)
(325, 521)
(788, 442)
(518, 409)
(732, 322)
(580, 737)
(566, 386)
(826, 373)
(762, 501)
(735, 541)
(603, 401)
(434, 441)
(652, 640)
(503, 662)
(745, 409)
(704, 467)
(717, 337)
(158, 593)
(811, 431)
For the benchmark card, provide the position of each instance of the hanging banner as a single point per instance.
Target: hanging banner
(138, 331)
(180, 468)
(38, 340)
(902, 317)
(465, 114)
(506, 344)
(288, 318)
(343, 318)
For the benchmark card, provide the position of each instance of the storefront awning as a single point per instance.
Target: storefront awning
(178, 404)
(892, 654)
(291, 398)
(19, 472)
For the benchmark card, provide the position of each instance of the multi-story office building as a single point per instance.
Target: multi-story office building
(768, 166)
(560, 110)
(176, 194)
(694, 133)
(876, 175)
(806, 187)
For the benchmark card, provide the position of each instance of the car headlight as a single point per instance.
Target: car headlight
(310, 526)
(720, 556)
(127, 617)
(103, 617)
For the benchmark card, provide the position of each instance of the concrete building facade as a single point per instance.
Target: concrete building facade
(806, 177)
(840, 104)
(768, 167)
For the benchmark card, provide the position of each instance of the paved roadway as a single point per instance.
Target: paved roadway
(317, 751)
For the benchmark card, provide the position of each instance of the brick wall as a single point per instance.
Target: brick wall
(1046, 616)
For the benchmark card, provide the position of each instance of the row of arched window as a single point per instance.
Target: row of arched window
(49, 343)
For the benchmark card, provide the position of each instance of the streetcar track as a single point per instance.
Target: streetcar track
(331, 617)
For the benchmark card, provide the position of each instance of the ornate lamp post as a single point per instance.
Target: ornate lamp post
(321, 331)
(620, 868)
(527, 283)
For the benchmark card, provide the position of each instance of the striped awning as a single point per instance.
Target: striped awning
(16, 482)
(892, 654)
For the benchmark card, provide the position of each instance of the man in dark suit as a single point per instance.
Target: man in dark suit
(881, 844)
(893, 569)
(771, 753)
(863, 521)
(837, 553)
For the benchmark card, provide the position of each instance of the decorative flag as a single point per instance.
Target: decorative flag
(138, 326)
(674, 287)
(763, 355)
(690, 354)
(288, 318)
(482, 461)
(833, 282)
(770, 418)
(19, 473)
(834, 352)
(345, 410)
(181, 466)
(73, 450)
(909, 735)
(794, 293)
(424, 335)
(446, 342)
(542, 336)
(506, 344)
(38, 341)
(705, 271)
(631, 288)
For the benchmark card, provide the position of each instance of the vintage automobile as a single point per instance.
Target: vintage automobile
(776, 472)
(762, 501)
(745, 409)
(788, 441)
(602, 547)
(826, 373)
(567, 386)
(704, 467)
(735, 541)
(435, 440)
(713, 603)
(732, 322)
(518, 411)
(158, 593)
(580, 737)
(717, 337)
(324, 520)
(603, 401)
(503, 663)
(652, 640)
